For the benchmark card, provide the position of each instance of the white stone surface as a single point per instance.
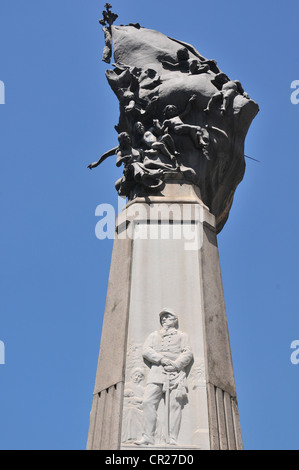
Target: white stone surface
(165, 273)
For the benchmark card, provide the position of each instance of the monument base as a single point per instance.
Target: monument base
(165, 256)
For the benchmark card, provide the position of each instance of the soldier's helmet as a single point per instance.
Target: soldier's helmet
(167, 310)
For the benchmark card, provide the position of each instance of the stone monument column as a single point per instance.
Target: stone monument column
(165, 256)
(165, 376)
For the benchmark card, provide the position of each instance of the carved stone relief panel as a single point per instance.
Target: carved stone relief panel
(165, 398)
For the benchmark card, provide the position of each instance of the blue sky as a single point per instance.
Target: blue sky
(59, 115)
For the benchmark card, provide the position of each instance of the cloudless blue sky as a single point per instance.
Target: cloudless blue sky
(58, 117)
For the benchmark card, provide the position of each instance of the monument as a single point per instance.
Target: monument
(165, 377)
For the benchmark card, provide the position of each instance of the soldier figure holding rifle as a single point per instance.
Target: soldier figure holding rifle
(168, 353)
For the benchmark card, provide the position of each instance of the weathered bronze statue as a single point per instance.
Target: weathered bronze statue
(181, 114)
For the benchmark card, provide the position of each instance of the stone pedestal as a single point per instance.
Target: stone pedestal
(165, 255)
